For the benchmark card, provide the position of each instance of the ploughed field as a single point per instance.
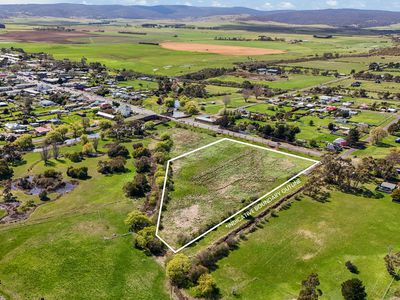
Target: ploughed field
(214, 183)
(219, 49)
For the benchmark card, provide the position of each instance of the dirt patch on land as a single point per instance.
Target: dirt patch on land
(48, 36)
(219, 49)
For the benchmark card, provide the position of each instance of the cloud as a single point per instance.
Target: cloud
(286, 5)
(268, 5)
(332, 3)
(216, 4)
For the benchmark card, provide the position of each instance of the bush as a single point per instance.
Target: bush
(140, 151)
(75, 157)
(137, 220)
(43, 195)
(164, 146)
(160, 157)
(196, 271)
(118, 150)
(146, 240)
(79, 173)
(178, 270)
(116, 165)
(5, 171)
(206, 288)
(138, 187)
(353, 289)
(51, 173)
(351, 267)
(143, 164)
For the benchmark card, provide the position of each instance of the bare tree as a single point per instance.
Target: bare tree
(258, 91)
(56, 151)
(226, 100)
(246, 93)
(44, 154)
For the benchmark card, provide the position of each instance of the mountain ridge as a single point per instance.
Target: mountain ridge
(333, 17)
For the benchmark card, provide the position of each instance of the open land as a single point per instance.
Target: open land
(214, 183)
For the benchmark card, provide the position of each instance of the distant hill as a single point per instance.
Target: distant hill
(333, 17)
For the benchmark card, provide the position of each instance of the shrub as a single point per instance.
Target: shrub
(75, 157)
(178, 270)
(43, 195)
(160, 157)
(140, 152)
(146, 240)
(143, 164)
(118, 150)
(51, 173)
(137, 220)
(116, 165)
(138, 187)
(164, 146)
(79, 173)
(351, 267)
(5, 171)
(206, 287)
(196, 271)
(87, 149)
(353, 289)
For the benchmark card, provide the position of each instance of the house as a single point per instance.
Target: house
(14, 127)
(105, 115)
(387, 187)
(340, 142)
(124, 110)
(41, 130)
(207, 119)
(333, 147)
(46, 103)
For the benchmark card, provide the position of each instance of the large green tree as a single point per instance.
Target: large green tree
(353, 289)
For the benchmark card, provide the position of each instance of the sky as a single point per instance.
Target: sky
(255, 4)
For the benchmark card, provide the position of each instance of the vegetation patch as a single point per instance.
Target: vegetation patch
(205, 187)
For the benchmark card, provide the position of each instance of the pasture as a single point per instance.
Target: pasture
(63, 250)
(315, 237)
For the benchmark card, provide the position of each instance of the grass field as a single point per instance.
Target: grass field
(123, 51)
(60, 251)
(291, 83)
(315, 237)
(213, 183)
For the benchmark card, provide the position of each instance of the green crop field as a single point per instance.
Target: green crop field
(314, 237)
(214, 183)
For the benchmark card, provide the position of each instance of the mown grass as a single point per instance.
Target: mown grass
(315, 237)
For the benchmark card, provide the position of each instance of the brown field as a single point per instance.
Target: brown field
(219, 49)
(43, 36)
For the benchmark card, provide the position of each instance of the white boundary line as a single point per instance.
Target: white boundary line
(316, 162)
